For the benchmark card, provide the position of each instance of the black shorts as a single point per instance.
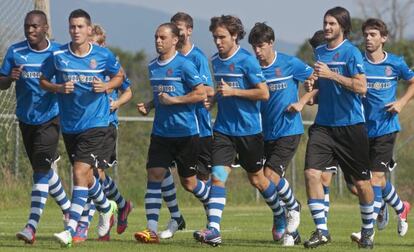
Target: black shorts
(108, 156)
(381, 152)
(86, 146)
(278, 153)
(204, 158)
(41, 142)
(183, 150)
(250, 149)
(348, 145)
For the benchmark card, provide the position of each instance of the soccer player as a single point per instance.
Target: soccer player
(184, 23)
(80, 68)
(237, 129)
(37, 112)
(383, 70)
(281, 120)
(338, 132)
(177, 87)
(108, 158)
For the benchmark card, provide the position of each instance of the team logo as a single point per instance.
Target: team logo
(93, 64)
(231, 67)
(24, 57)
(278, 72)
(336, 56)
(169, 72)
(66, 62)
(388, 71)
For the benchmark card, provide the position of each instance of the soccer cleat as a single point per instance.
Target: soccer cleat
(147, 236)
(403, 218)
(383, 217)
(64, 238)
(123, 217)
(27, 235)
(278, 229)
(297, 238)
(292, 220)
(356, 237)
(367, 240)
(288, 240)
(210, 236)
(65, 219)
(317, 239)
(172, 228)
(106, 220)
(81, 233)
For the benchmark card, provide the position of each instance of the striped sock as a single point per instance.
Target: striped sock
(112, 192)
(57, 192)
(40, 191)
(96, 194)
(88, 212)
(317, 208)
(286, 194)
(377, 201)
(270, 195)
(389, 194)
(79, 197)
(367, 211)
(169, 194)
(153, 203)
(216, 204)
(202, 192)
(326, 202)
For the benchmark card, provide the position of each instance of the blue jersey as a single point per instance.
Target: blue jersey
(33, 105)
(113, 115)
(339, 106)
(203, 116)
(282, 78)
(83, 108)
(176, 77)
(382, 81)
(238, 116)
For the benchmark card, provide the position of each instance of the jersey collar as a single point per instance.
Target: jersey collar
(39, 51)
(192, 47)
(273, 62)
(165, 62)
(79, 56)
(377, 63)
(238, 48)
(332, 49)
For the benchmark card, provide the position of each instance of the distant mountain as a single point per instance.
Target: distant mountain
(132, 28)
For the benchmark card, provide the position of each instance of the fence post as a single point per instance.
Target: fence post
(16, 148)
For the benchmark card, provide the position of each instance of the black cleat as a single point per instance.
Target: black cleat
(181, 223)
(317, 239)
(367, 240)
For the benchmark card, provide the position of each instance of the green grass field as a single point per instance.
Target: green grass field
(245, 228)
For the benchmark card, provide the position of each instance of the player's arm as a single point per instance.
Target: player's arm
(198, 94)
(6, 81)
(115, 81)
(209, 101)
(65, 88)
(126, 96)
(259, 92)
(145, 107)
(305, 99)
(356, 83)
(398, 105)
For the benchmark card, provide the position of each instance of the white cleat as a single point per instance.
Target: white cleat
(403, 218)
(383, 218)
(288, 240)
(106, 220)
(356, 237)
(292, 221)
(64, 238)
(172, 227)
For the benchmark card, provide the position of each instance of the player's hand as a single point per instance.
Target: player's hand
(322, 70)
(394, 107)
(67, 87)
(309, 85)
(98, 85)
(16, 72)
(225, 90)
(295, 107)
(166, 99)
(114, 104)
(143, 108)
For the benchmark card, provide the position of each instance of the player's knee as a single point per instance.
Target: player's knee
(189, 184)
(220, 173)
(312, 175)
(378, 178)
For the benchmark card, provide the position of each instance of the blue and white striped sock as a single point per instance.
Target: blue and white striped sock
(270, 195)
(97, 195)
(88, 212)
(377, 201)
(169, 194)
(202, 191)
(216, 203)
(326, 201)
(57, 192)
(153, 201)
(367, 211)
(286, 194)
(40, 192)
(112, 192)
(79, 197)
(317, 208)
(389, 194)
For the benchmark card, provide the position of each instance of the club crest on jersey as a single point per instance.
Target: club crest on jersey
(169, 72)
(231, 67)
(93, 64)
(278, 72)
(388, 71)
(336, 56)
